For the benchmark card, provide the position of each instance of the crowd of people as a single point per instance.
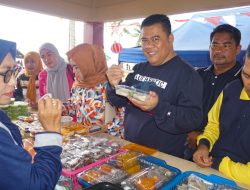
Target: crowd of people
(199, 115)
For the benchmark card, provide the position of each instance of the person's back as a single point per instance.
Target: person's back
(224, 47)
(172, 109)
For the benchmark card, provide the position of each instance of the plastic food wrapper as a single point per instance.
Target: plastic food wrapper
(103, 173)
(128, 91)
(29, 124)
(128, 161)
(79, 151)
(45, 96)
(149, 178)
(194, 182)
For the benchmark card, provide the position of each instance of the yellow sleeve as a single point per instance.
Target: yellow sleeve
(212, 130)
(237, 171)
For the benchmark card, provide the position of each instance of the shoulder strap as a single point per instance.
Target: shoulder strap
(4, 127)
(70, 70)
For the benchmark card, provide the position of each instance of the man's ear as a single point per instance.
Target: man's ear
(238, 49)
(171, 38)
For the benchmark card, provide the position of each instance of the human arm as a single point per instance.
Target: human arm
(192, 139)
(69, 107)
(17, 163)
(210, 135)
(237, 171)
(182, 112)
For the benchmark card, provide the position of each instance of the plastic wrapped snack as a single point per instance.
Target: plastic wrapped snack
(150, 178)
(79, 151)
(128, 91)
(103, 173)
(194, 182)
(128, 162)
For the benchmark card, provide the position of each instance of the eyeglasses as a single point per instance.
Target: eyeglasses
(224, 47)
(155, 40)
(9, 73)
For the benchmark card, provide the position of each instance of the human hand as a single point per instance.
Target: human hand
(192, 139)
(147, 105)
(201, 157)
(114, 74)
(49, 113)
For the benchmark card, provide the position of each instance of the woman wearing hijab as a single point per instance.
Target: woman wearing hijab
(17, 169)
(27, 83)
(88, 99)
(57, 78)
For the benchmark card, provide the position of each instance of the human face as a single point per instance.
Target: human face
(157, 46)
(76, 70)
(7, 89)
(30, 65)
(245, 75)
(49, 58)
(223, 51)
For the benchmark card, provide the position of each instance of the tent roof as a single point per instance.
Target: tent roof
(195, 34)
(111, 10)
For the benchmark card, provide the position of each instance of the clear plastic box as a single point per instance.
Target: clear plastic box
(128, 91)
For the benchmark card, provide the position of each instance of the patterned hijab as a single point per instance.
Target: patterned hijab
(57, 83)
(31, 88)
(92, 63)
(5, 48)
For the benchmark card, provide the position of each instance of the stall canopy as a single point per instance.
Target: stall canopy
(192, 38)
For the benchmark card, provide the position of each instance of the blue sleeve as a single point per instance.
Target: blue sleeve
(19, 171)
(185, 114)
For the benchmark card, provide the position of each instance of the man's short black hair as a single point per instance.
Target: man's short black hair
(158, 18)
(227, 28)
(248, 52)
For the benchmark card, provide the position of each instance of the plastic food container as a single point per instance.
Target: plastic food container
(150, 178)
(195, 180)
(128, 91)
(131, 170)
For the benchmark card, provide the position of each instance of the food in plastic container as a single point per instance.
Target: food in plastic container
(195, 182)
(127, 161)
(128, 91)
(150, 178)
(103, 173)
(79, 151)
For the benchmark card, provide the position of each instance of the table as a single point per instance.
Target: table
(182, 164)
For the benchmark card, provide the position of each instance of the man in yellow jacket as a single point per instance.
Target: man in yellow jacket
(224, 144)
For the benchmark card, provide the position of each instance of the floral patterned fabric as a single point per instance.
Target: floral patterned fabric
(87, 105)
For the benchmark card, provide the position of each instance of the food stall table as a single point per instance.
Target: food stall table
(184, 165)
